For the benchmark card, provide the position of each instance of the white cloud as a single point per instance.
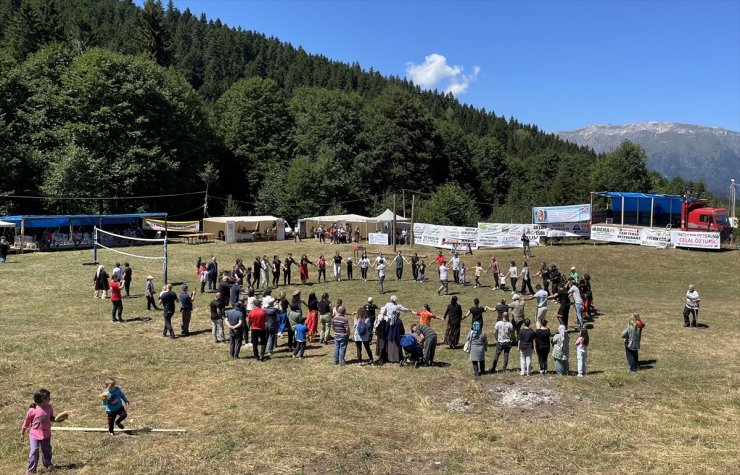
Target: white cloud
(435, 72)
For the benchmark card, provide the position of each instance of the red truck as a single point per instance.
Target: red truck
(658, 211)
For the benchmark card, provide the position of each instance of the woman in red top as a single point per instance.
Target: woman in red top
(425, 315)
(115, 300)
(303, 268)
(322, 268)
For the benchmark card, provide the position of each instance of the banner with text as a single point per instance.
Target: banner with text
(561, 214)
(172, 226)
(377, 238)
(446, 237)
(493, 235)
(615, 234)
(697, 240)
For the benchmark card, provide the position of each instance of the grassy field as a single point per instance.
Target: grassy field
(680, 414)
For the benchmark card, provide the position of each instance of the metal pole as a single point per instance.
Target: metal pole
(95, 244)
(652, 207)
(393, 230)
(165, 249)
(23, 234)
(403, 202)
(622, 223)
(412, 220)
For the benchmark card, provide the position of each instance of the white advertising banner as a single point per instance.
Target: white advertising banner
(561, 214)
(377, 238)
(699, 240)
(172, 226)
(559, 230)
(626, 235)
(493, 235)
(655, 237)
(446, 237)
(230, 232)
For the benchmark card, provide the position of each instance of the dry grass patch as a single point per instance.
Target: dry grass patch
(681, 414)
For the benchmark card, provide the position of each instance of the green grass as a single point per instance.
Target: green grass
(288, 416)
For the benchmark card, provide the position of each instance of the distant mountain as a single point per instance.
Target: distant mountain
(689, 151)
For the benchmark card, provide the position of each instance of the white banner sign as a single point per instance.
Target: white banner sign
(492, 235)
(559, 230)
(695, 239)
(172, 226)
(561, 214)
(446, 237)
(655, 237)
(626, 235)
(230, 232)
(377, 238)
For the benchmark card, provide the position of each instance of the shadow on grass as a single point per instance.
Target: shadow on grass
(702, 325)
(68, 466)
(139, 319)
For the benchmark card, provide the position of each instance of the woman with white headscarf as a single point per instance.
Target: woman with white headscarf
(101, 283)
(560, 343)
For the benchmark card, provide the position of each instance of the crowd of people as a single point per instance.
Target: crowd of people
(243, 302)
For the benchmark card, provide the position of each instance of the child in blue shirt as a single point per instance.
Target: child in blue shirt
(301, 332)
(114, 400)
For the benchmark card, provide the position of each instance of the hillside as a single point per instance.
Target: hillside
(692, 152)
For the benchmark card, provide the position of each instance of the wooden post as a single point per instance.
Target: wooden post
(412, 221)
(393, 228)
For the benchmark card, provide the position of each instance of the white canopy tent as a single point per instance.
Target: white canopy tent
(5, 224)
(246, 228)
(387, 215)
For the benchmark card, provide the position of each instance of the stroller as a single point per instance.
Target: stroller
(413, 352)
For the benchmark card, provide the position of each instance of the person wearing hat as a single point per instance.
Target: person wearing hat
(186, 309)
(257, 320)
(574, 274)
(149, 293)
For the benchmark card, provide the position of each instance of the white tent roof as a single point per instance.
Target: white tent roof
(341, 217)
(387, 215)
(5, 224)
(241, 219)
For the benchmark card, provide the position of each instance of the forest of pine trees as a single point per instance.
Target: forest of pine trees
(102, 98)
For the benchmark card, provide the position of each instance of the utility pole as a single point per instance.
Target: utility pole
(393, 230)
(412, 221)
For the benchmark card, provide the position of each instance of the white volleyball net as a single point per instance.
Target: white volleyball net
(132, 246)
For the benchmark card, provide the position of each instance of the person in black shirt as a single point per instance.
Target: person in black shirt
(370, 309)
(217, 322)
(127, 276)
(275, 271)
(256, 271)
(4, 249)
(289, 261)
(453, 315)
(212, 269)
(167, 299)
(542, 345)
(501, 308)
(564, 300)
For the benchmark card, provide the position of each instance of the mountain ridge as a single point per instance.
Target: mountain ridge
(673, 149)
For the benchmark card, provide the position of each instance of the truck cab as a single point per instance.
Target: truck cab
(709, 219)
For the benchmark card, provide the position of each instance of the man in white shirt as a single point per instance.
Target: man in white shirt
(455, 261)
(692, 306)
(444, 285)
(575, 293)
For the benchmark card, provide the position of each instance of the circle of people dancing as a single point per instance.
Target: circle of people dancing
(244, 304)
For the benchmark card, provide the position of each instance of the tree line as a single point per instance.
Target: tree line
(101, 98)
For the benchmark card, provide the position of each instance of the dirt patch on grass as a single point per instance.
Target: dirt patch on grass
(513, 399)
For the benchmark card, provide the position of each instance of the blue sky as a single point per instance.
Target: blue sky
(559, 65)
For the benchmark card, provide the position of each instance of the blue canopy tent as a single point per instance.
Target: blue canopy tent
(71, 220)
(641, 209)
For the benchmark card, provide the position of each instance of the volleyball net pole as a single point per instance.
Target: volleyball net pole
(97, 243)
